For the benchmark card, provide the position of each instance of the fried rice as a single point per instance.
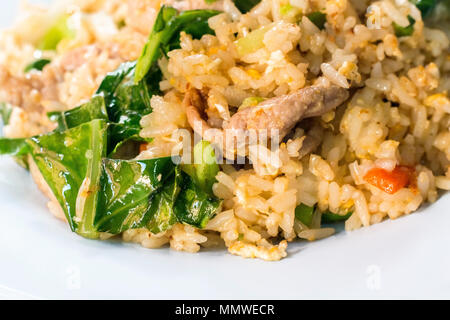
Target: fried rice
(397, 117)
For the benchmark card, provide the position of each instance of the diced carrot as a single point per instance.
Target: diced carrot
(390, 182)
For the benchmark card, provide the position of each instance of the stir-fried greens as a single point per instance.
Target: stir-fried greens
(165, 35)
(5, 112)
(101, 190)
(70, 163)
(37, 65)
(425, 6)
(405, 31)
(304, 214)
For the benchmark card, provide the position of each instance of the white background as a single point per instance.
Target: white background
(41, 258)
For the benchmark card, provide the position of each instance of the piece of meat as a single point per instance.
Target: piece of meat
(19, 91)
(271, 119)
(283, 113)
(195, 113)
(312, 140)
(73, 59)
(274, 116)
(29, 90)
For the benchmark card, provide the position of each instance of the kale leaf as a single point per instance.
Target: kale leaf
(37, 65)
(94, 109)
(165, 35)
(129, 192)
(246, 5)
(70, 163)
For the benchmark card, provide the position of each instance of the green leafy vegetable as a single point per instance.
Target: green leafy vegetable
(37, 65)
(318, 18)
(161, 209)
(152, 194)
(330, 217)
(56, 33)
(304, 214)
(94, 109)
(425, 6)
(124, 142)
(118, 100)
(5, 112)
(127, 102)
(14, 147)
(204, 168)
(130, 102)
(166, 32)
(246, 5)
(111, 195)
(17, 148)
(132, 191)
(70, 163)
(106, 195)
(194, 206)
(113, 79)
(404, 31)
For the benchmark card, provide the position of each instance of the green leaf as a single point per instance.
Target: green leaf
(425, 6)
(127, 102)
(205, 168)
(14, 147)
(118, 100)
(404, 31)
(166, 32)
(194, 206)
(128, 193)
(246, 5)
(162, 204)
(70, 163)
(304, 214)
(113, 79)
(56, 33)
(131, 101)
(94, 109)
(37, 65)
(5, 112)
(330, 217)
(151, 51)
(318, 18)
(154, 194)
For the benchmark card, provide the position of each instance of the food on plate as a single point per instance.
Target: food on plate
(195, 123)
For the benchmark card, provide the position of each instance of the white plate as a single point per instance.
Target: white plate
(41, 258)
